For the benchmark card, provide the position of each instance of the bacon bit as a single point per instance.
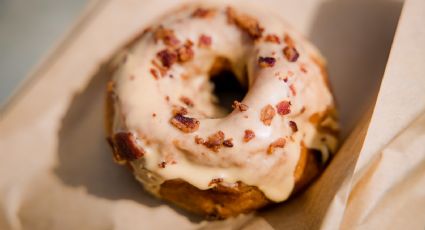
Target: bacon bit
(204, 41)
(215, 141)
(167, 98)
(267, 114)
(288, 40)
(303, 109)
(162, 164)
(292, 88)
(249, 135)
(291, 53)
(272, 38)
(167, 57)
(185, 124)
(126, 147)
(215, 181)
(203, 13)
(160, 68)
(187, 101)
(238, 105)
(185, 52)
(303, 68)
(266, 61)
(283, 107)
(199, 140)
(153, 114)
(245, 22)
(293, 126)
(167, 36)
(279, 143)
(228, 143)
(154, 73)
(285, 79)
(179, 110)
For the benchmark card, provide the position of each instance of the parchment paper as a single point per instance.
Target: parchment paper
(57, 172)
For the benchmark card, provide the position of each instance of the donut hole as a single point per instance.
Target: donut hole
(227, 87)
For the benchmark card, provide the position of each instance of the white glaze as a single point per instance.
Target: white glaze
(248, 162)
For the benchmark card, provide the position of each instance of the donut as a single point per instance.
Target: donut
(165, 123)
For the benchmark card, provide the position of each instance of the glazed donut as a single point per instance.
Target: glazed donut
(163, 119)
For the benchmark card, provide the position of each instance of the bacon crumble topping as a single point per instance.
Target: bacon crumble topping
(291, 54)
(241, 106)
(245, 22)
(288, 40)
(272, 38)
(216, 141)
(185, 52)
(203, 13)
(162, 70)
(182, 122)
(293, 126)
(187, 101)
(125, 146)
(199, 140)
(166, 35)
(265, 62)
(279, 143)
(204, 41)
(228, 143)
(154, 73)
(179, 110)
(162, 164)
(283, 107)
(267, 114)
(167, 57)
(249, 135)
